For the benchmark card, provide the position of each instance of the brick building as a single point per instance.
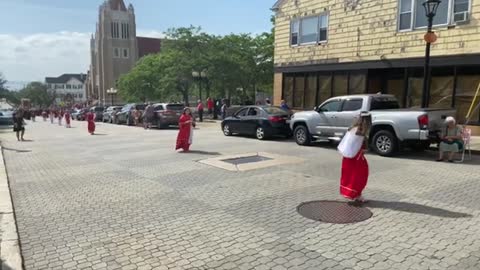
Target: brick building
(326, 48)
(115, 49)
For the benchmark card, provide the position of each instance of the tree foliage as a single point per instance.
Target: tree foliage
(38, 94)
(10, 96)
(236, 65)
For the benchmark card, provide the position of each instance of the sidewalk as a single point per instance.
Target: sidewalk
(10, 257)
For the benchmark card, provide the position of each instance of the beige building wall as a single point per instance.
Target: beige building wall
(367, 32)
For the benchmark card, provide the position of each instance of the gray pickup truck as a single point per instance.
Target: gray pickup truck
(392, 128)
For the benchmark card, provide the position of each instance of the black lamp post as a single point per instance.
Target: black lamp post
(112, 91)
(199, 76)
(431, 7)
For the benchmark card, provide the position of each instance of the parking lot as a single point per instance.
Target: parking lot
(124, 199)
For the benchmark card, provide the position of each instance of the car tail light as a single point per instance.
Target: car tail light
(276, 119)
(423, 121)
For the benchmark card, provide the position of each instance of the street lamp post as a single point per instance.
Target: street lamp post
(199, 76)
(431, 7)
(112, 91)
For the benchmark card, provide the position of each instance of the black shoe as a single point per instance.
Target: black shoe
(439, 160)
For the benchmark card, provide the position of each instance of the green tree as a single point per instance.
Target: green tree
(10, 96)
(38, 94)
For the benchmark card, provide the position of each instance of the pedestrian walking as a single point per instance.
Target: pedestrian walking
(19, 124)
(184, 137)
(200, 110)
(210, 106)
(223, 110)
(148, 116)
(52, 116)
(91, 122)
(44, 115)
(33, 113)
(354, 175)
(136, 117)
(68, 118)
(60, 116)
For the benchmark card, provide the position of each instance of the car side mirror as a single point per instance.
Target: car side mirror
(315, 108)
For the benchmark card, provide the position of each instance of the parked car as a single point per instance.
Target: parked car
(98, 110)
(391, 127)
(167, 114)
(109, 112)
(80, 115)
(124, 116)
(74, 113)
(262, 121)
(6, 118)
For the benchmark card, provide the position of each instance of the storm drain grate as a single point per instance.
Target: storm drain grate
(334, 211)
(244, 160)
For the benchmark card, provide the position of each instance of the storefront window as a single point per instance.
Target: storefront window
(441, 90)
(466, 88)
(396, 88)
(324, 88)
(414, 95)
(299, 91)
(288, 89)
(311, 91)
(357, 83)
(340, 85)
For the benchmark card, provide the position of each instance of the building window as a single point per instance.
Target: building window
(80, 95)
(116, 52)
(125, 32)
(412, 13)
(69, 86)
(309, 30)
(125, 53)
(115, 29)
(295, 30)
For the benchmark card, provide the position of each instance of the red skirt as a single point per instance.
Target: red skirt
(354, 176)
(91, 127)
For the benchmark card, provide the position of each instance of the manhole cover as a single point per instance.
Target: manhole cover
(334, 212)
(243, 160)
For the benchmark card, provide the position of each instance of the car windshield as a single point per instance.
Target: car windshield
(274, 110)
(384, 103)
(99, 109)
(140, 107)
(175, 107)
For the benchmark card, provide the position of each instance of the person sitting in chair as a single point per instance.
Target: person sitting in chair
(451, 139)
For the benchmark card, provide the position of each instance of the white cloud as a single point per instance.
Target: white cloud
(36, 56)
(150, 33)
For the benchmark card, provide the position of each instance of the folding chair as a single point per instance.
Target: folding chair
(466, 136)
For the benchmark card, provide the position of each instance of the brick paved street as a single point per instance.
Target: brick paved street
(126, 200)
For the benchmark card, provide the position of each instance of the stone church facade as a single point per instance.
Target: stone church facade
(114, 49)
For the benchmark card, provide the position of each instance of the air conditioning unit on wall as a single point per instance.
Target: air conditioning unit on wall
(460, 17)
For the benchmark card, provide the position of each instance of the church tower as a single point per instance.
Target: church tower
(115, 48)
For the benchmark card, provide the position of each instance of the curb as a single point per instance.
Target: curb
(10, 255)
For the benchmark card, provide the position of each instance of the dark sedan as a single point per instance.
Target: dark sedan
(262, 121)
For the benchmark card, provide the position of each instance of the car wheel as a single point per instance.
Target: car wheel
(260, 133)
(226, 130)
(384, 143)
(302, 135)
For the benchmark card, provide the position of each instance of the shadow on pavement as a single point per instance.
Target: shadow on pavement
(415, 208)
(99, 134)
(202, 152)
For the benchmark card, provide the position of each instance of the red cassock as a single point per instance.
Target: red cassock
(91, 122)
(67, 118)
(354, 176)
(184, 133)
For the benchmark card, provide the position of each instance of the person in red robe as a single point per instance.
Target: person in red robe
(210, 106)
(67, 119)
(91, 122)
(355, 171)
(185, 126)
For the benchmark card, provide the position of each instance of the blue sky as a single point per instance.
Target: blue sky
(30, 27)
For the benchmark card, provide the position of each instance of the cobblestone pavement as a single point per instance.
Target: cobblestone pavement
(125, 200)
